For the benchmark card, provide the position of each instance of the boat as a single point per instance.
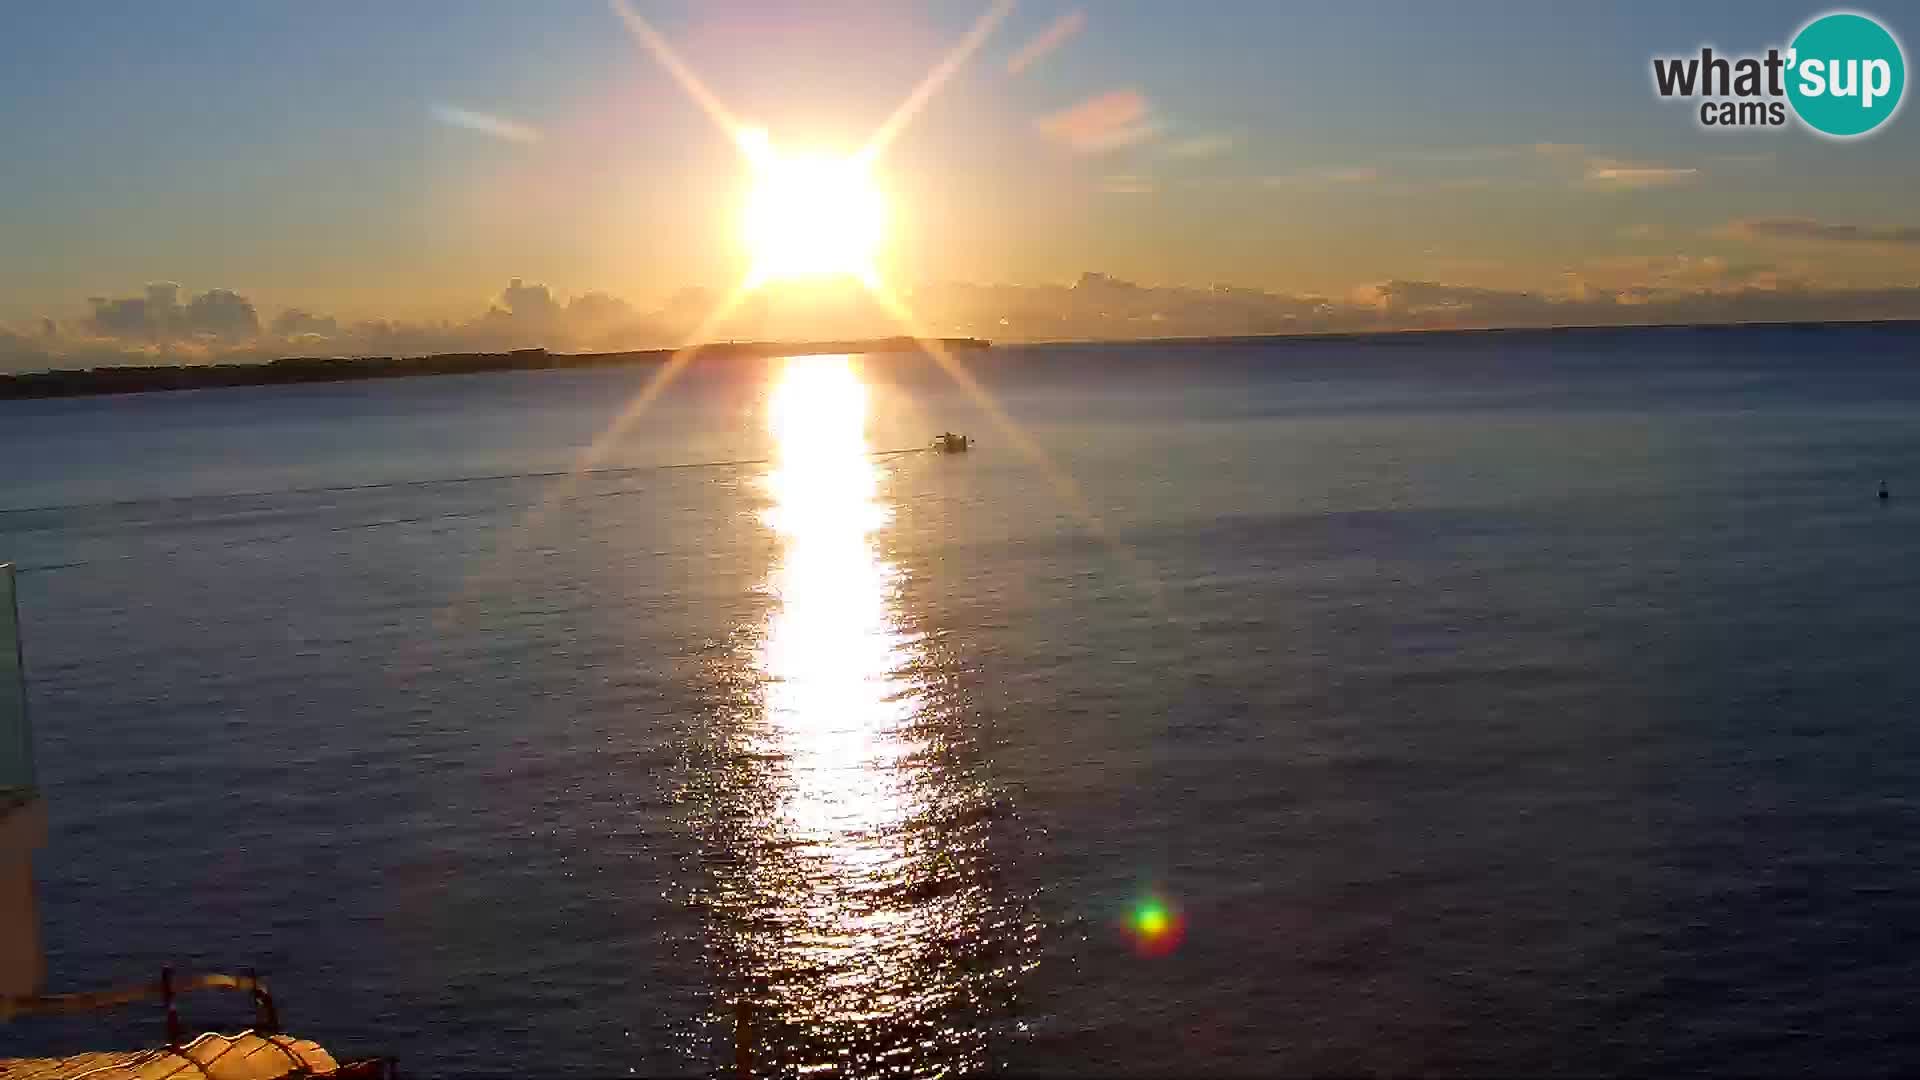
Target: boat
(949, 443)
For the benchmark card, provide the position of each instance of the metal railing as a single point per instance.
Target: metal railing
(167, 989)
(16, 735)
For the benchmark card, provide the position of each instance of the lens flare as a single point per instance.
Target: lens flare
(1155, 926)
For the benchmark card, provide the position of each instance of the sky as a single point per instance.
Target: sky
(357, 176)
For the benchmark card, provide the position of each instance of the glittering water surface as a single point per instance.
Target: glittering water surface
(1517, 704)
(856, 912)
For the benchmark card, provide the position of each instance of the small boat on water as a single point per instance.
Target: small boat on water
(949, 443)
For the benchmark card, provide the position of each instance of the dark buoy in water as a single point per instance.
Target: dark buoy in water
(1883, 491)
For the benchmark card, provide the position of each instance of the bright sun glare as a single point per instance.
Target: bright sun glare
(810, 215)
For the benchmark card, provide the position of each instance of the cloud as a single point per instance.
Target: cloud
(221, 324)
(1588, 166)
(1675, 290)
(531, 302)
(1430, 302)
(156, 328)
(159, 316)
(298, 322)
(1054, 36)
(1681, 271)
(1823, 232)
(1127, 185)
(1467, 154)
(1324, 177)
(1603, 172)
(1104, 122)
(222, 314)
(1200, 146)
(1425, 304)
(1613, 173)
(497, 126)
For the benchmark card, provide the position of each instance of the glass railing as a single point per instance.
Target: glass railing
(16, 737)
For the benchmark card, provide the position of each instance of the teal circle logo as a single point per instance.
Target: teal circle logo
(1846, 75)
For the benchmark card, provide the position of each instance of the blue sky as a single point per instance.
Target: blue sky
(292, 152)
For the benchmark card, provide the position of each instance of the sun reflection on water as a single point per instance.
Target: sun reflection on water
(854, 874)
(835, 661)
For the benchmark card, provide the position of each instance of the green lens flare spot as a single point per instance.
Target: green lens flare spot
(1155, 927)
(1152, 918)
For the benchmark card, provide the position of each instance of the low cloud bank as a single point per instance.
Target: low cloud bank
(1098, 306)
(1825, 232)
(168, 325)
(220, 325)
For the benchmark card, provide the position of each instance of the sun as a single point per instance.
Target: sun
(810, 216)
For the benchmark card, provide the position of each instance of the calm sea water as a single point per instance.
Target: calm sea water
(1519, 704)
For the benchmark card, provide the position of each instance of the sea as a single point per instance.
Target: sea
(1519, 703)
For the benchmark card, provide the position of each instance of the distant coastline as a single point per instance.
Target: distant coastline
(139, 379)
(1417, 333)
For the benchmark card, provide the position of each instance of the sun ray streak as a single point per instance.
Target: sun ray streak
(1144, 575)
(935, 79)
(563, 488)
(660, 381)
(630, 414)
(650, 39)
